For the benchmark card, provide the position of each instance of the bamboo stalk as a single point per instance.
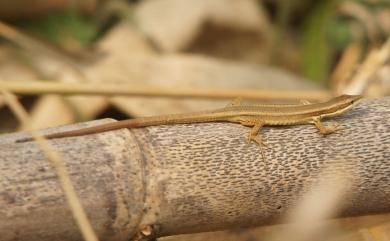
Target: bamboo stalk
(55, 159)
(166, 180)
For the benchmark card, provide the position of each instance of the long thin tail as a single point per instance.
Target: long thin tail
(134, 123)
(85, 131)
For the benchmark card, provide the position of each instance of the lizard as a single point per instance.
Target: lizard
(255, 116)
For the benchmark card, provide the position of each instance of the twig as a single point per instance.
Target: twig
(55, 159)
(45, 87)
(30, 44)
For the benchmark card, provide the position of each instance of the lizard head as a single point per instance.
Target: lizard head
(348, 100)
(342, 103)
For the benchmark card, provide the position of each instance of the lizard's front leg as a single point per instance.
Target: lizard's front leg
(323, 129)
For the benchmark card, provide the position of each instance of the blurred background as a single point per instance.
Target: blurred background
(269, 51)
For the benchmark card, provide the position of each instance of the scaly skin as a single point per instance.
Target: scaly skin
(256, 116)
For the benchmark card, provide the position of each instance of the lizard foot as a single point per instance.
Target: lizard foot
(325, 130)
(330, 129)
(256, 139)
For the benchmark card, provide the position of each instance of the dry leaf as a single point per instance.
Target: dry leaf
(159, 19)
(51, 111)
(51, 64)
(134, 62)
(186, 71)
(12, 68)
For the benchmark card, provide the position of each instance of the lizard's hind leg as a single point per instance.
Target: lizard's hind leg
(254, 134)
(256, 137)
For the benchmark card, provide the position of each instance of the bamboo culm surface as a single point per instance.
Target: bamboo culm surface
(189, 178)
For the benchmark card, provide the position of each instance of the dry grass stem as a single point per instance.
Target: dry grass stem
(66, 184)
(44, 87)
(37, 47)
(374, 61)
(22, 40)
(364, 15)
(345, 67)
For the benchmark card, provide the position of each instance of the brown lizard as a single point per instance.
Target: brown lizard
(255, 116)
